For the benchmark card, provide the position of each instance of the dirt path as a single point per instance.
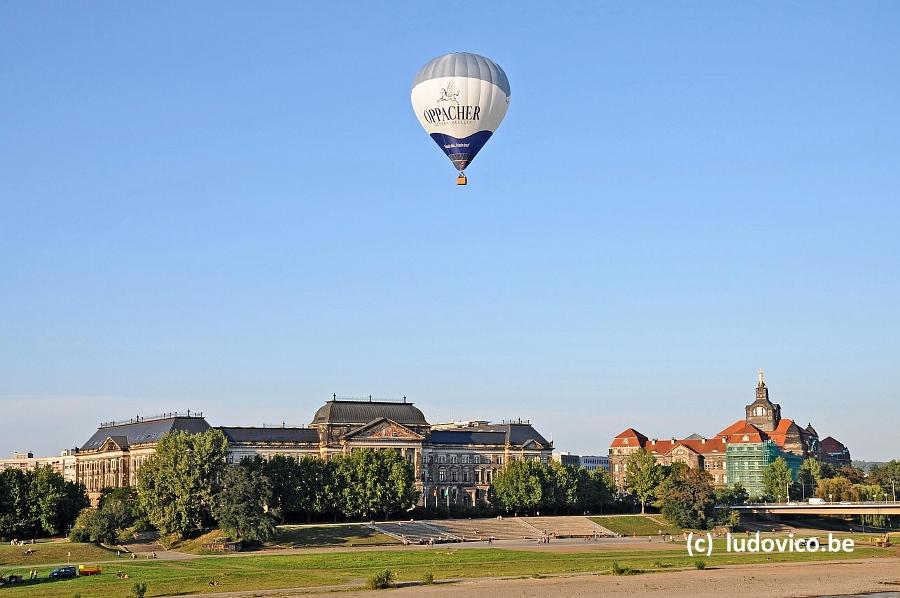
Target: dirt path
(735, 581)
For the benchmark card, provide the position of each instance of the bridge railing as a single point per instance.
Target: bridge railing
(827, 503)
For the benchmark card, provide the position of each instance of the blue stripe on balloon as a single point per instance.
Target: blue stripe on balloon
(462, 150)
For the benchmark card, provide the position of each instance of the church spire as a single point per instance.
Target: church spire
(762, 392)
(762, 413)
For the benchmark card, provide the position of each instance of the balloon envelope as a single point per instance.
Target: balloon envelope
(460, 100)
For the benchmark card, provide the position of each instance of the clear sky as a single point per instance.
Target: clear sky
(230, 207)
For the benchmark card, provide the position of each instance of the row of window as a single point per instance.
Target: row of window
(479, 459)
(465, 459)
(479, 476)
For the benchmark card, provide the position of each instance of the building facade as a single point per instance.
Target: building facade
(454, 463)
(567, 458)
(738, 453)
(64, 464)
(112, 456)
(589, 462)
(592, 462)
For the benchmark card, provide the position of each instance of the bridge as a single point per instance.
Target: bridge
(821, 508)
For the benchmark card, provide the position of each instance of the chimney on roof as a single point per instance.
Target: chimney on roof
(334, 396)
(370, 398)
(404, 398)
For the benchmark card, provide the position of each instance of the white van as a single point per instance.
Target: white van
(817, 501)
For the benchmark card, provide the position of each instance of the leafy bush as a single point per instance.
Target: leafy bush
(138, 589)
(701, 565)
(79, 534)
(428, 578)
(617, 569)
(382, 580)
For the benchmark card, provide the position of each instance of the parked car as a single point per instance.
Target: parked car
(817, 501)
(63, 572)
(10, 579)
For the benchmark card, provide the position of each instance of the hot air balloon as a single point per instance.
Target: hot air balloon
(460, 100)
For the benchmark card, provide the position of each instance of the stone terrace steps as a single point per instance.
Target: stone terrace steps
(413, 532)
(508, 528)
(571, 526)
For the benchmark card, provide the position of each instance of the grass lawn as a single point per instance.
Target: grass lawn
(640, 525)
(52, 552)
(258, 572)
(331, 535)
(306, 536)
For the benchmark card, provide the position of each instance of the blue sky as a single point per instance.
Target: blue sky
(232, 208)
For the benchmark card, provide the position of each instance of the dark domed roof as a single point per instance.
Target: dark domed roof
(362, 412)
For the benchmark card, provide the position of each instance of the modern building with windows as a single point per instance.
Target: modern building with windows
(592, 462)
(589, 462)
(567, 458)
(64, 464)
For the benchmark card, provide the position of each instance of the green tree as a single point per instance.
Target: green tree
(117, 511)
(600, 492)
(888, 477)
(837, 489)
(12, 503)
(559, 486)
(731, 495)
(642, 476)
(828, 470)
(854, 474)
(329, 499)
(372, 481)
(240, 505)
(37, 502)
(54, 502)
(686, 497)
(519, 486)
(777, 478)
(281, 474)
(809, 475)
(312, 477)
(176, 486)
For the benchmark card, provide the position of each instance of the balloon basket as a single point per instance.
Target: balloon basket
(461, 179)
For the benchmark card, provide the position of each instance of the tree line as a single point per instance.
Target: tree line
(688, 498)
(685, 496)
(37, 503)
(187, 487)
(532, 486)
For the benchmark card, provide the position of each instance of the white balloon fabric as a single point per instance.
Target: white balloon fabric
(460, 100)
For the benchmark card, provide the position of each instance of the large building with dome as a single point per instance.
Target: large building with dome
(454, 463)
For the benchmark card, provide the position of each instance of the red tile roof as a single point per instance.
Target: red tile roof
(746, 433)
(739, 424)
(659, 447)
(780, 432)
(832, 445)
(630, 438)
